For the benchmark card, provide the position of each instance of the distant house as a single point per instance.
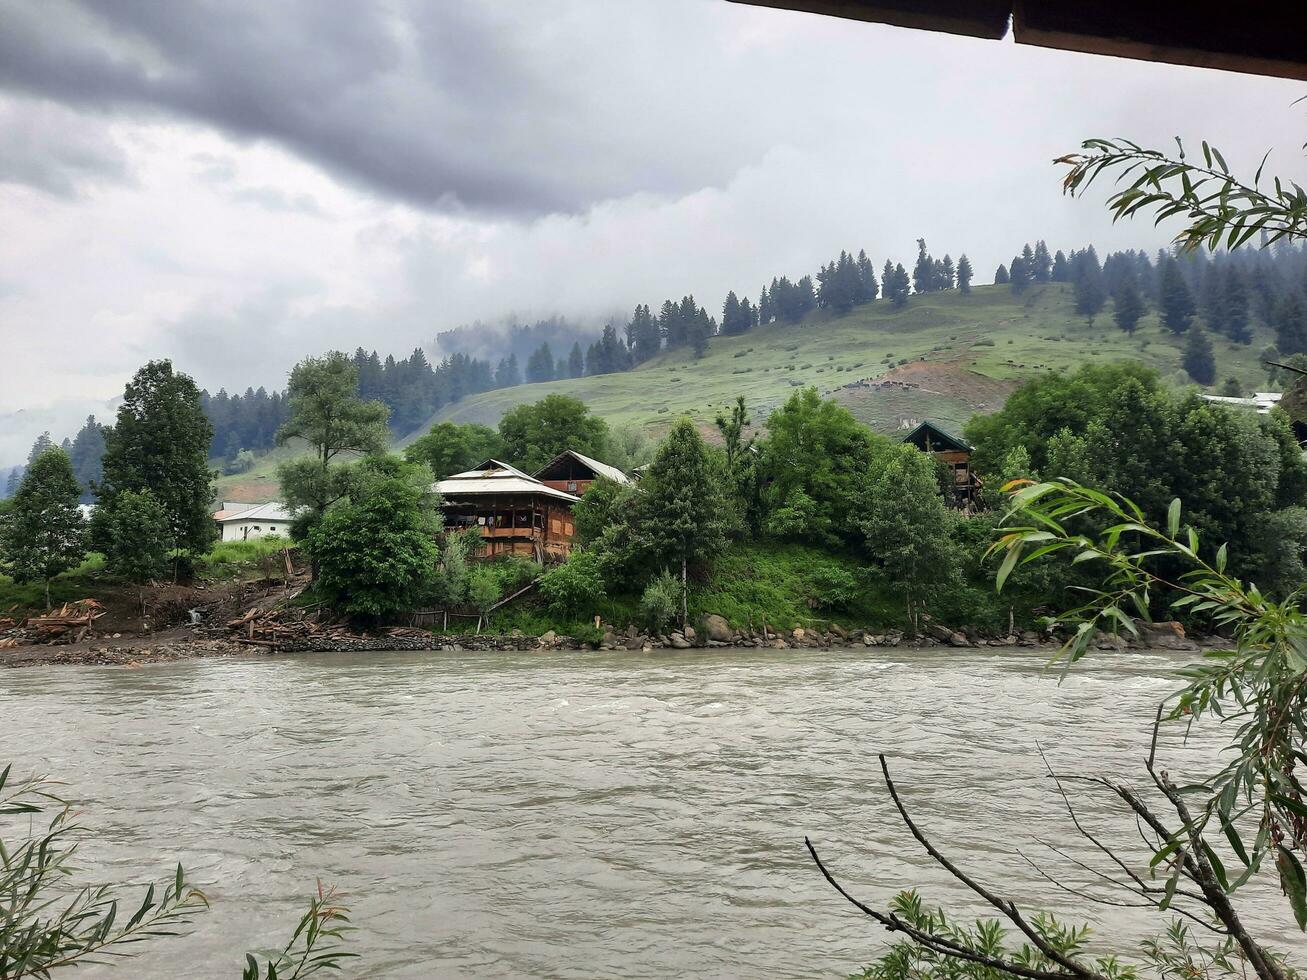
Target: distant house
(249, 522)
(515, 513)
(954, 454)
(573, 473)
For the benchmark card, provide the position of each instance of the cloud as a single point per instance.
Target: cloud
(56, 150)
(458, 105)
(236, 184)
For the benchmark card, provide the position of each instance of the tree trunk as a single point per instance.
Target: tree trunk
(685, 613)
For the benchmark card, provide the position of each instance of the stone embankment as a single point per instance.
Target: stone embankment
(714, 632)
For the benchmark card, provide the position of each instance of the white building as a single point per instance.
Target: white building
(249, 522)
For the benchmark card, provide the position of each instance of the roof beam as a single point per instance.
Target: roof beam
(1259, 39)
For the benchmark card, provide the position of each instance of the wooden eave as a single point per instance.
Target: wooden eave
(1258, 39)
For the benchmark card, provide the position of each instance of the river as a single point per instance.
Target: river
(578, 815)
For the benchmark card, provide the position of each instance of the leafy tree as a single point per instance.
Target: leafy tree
(574, 587)
(540, 365)
(732, 430)
(604, 504)
(683, 514)
(132, 532)
(1199, 361)
(327, 413)
(815, 451)
(1231, 388)
(535, 433)
(160, 442)
(449, 448)
(660, 601)
(376, 550)
(907, 527)
(1001, 276)
(965, 274)
(42, 533)
(1176, 301)
(1128, 306)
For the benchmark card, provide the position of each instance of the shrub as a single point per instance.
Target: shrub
(661, 601)
(132, 533)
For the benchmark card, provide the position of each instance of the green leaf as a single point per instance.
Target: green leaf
(1294, 882)
(1220, 558)
(1005, 569)
(1173, 515)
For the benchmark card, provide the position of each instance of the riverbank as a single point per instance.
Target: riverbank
(185, 644)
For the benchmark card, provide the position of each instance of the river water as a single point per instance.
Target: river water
(580, 815)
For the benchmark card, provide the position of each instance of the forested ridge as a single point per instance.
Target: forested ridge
(1194, 296)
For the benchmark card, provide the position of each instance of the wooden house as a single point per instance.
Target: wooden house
(515, 513)
(954, 454)
(573, 473)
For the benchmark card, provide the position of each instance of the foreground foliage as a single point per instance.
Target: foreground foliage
(47, 923)
(1204, 840)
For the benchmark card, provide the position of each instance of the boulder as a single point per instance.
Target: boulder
(1165, 628)
(679, 642)
(547, 638)
(689, 633)
(839, 631)
(718, 629)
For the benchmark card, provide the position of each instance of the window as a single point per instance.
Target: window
(571, 486)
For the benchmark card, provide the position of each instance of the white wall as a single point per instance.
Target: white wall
(253, 530)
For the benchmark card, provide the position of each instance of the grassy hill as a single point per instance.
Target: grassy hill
(944, 357)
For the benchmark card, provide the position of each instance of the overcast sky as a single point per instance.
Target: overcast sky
(235, 184)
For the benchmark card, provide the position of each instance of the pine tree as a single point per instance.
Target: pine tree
(42, 533)
(1061, 271)
(1020, 273)
(645, 336)
(43, 442)
(1199, 361)
(868, 288)
(86, 455)
(1001, 276)
(1088, 289)
(1234, 306)
(576, 361)
(15, 480)
(923, 272)
(160, 442)
(1289, 320)
(965, 274)
(1042, 266)
(507, 374)
(766, 313)
(901, 284)
(1177, 301)
(683, 513)
(540, 365)
(1128, 305)
(887, 287)
(947, 273)
(731, 318)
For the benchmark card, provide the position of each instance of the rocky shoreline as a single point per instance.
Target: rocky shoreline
(715, 633)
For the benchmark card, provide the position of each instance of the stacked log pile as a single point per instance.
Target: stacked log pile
(69, 623)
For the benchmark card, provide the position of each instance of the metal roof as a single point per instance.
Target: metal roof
(602, 469)
(500, 479)
(271, 511)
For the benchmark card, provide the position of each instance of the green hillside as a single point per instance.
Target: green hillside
(945, 357)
